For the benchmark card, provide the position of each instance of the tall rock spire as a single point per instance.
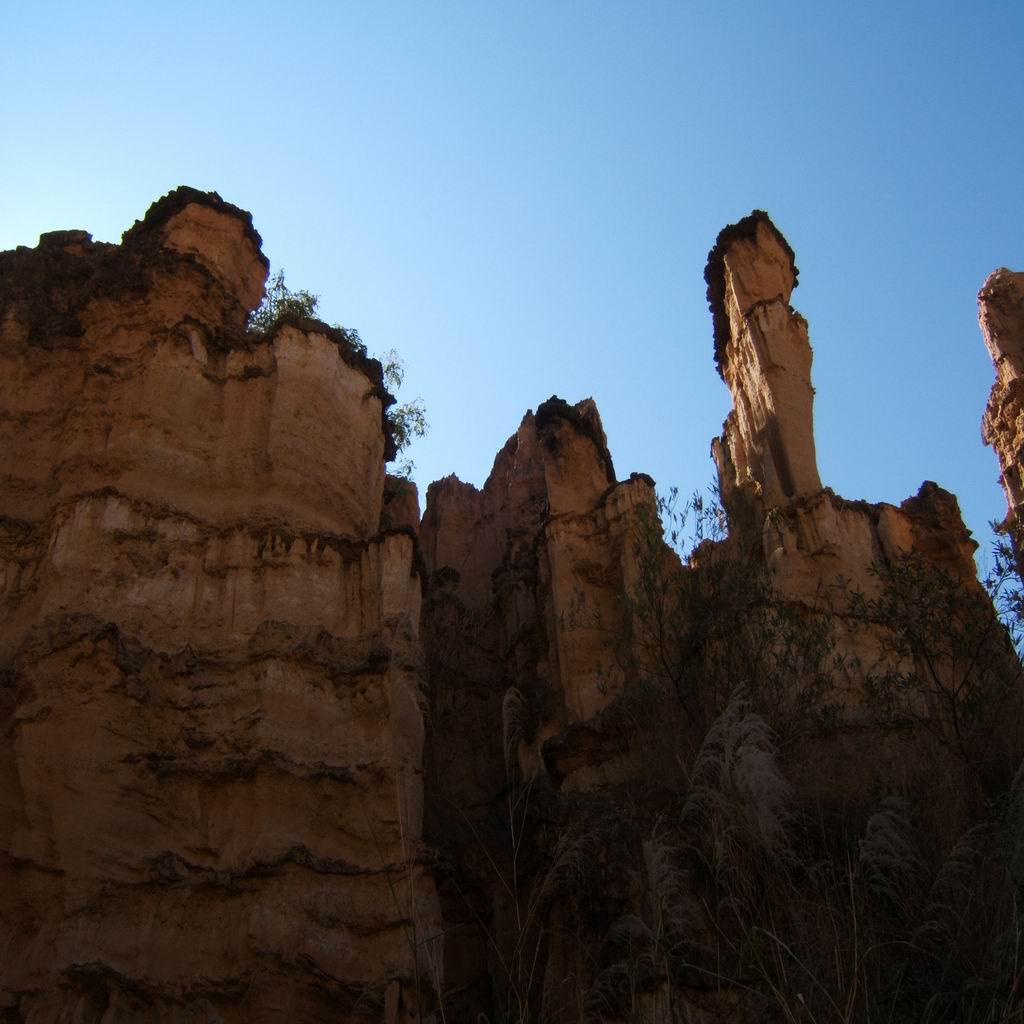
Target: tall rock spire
(1001, 316)
(764, 356)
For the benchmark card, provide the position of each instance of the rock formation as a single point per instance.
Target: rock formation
(1001, 315)
(537, 612)
(274, 749)
(766, 457)
(212, 680)
(763, 355)
(809, 538)
(527, 577)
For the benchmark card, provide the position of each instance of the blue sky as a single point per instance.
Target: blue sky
(520, 198)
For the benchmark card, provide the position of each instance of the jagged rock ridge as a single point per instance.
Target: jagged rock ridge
(274, 749)
(537, 593)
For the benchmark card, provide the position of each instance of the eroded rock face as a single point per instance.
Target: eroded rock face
(763, 354)
(147, 382)
(275, 749)
(526, 583)
(809, 537)
(527, 577)
(210, 658)
(1001, 316)
(562, 636)
(544, 548)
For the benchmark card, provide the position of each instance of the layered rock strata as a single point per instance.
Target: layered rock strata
(274, 749)
(212, 678)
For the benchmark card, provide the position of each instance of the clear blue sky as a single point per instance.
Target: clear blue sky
(520, 197)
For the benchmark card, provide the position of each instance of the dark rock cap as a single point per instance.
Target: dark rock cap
(714, 272)
(175, 201)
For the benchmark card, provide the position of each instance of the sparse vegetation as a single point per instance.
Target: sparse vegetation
(1004, 585)
(718, 881)
(408, 421)
(711, 882)
(279, 300)
(947, 661)
(700, 621)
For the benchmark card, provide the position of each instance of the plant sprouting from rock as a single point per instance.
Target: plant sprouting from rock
(280, 301)
(700, 620)
(408, 421)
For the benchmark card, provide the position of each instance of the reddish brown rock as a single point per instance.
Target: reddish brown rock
(1001, 315)
(809, 537)
(568, 649)
(546, 548)
(210, 658)
(401, 509)
(273, 749)
(527, 577)
(763, 354)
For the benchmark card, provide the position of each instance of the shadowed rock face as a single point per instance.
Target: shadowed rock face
(546, 539)
(1001, 316)
(531, 626)
(211, 669)
(275, 749)
(526, 584)
(818, 548)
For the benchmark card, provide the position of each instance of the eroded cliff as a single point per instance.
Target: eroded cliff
(212, 671)
(1001, 316)
(557, 613)
(274, 749)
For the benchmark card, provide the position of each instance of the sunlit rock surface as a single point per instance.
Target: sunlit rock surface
(277, 748)
(212, 674)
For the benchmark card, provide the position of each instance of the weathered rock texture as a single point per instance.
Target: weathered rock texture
(820, 550)
(1001, 315)
(763, 355)
(211, 672)
(544, 548)
(549, 600)
(766, 461)
(526, 583)
(274, 749)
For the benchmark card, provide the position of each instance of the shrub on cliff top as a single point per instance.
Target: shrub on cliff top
(279, 300)
(408, 420)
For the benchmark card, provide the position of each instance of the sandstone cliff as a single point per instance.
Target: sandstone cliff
(275, 749)
(557, 615)
(526, 580)
(766, 455)
(1001, 315)
(212, 673)
(810, 539)
(829, 559)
